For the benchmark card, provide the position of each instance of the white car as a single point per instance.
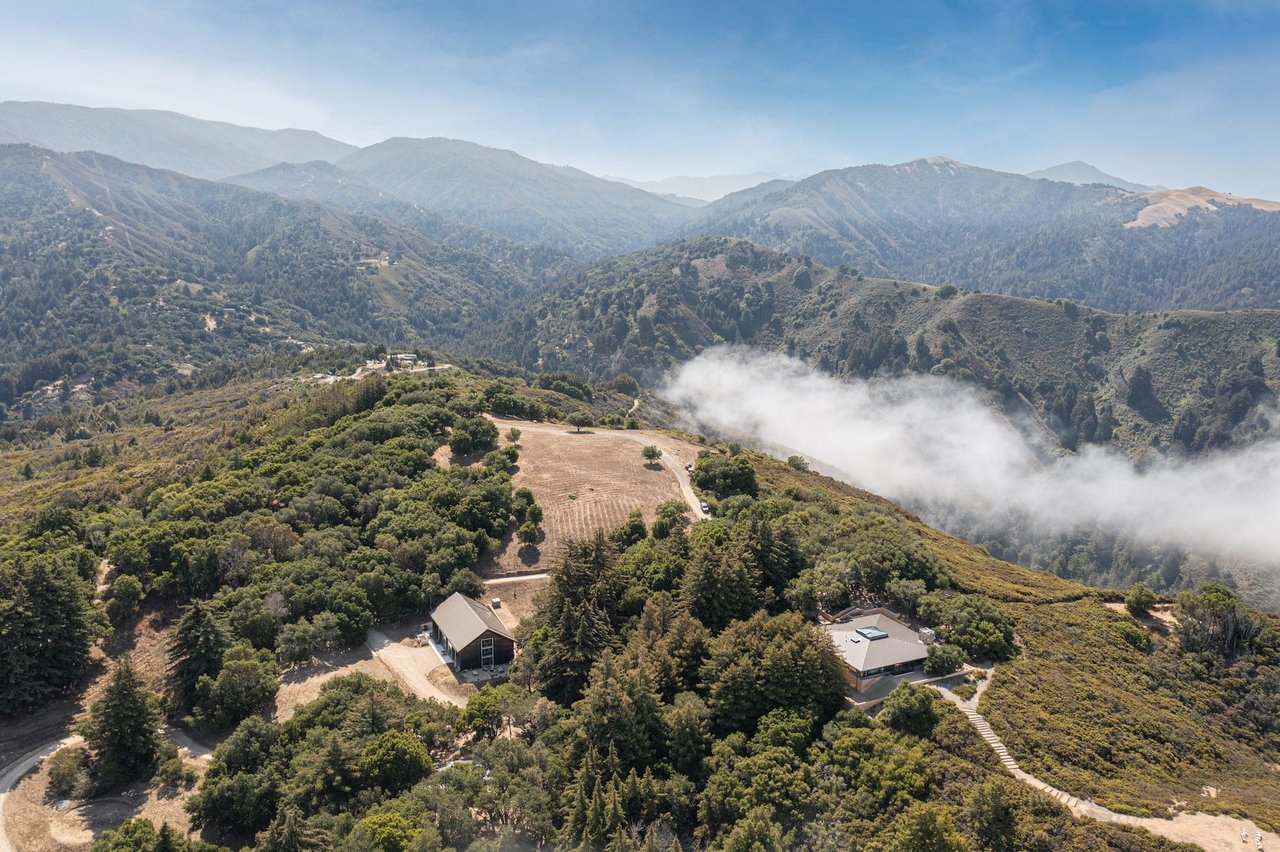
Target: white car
(706, 510)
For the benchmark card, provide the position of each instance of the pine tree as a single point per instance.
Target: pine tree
(45, 632)
(289, 832)
(595, 828)
(122, 730)
(196, 649)
(168, 840)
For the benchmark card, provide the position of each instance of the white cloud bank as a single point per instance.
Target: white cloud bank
(935, 443)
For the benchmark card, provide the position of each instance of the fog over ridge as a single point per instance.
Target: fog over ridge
(937, 444)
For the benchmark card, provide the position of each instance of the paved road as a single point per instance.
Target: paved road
(1212, 832)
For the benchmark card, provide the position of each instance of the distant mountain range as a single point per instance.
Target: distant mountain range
(113, 271)
(1081, 173)
(163, 140)
(933, 219)
(557, 206)
(705, 188)
(945, 222)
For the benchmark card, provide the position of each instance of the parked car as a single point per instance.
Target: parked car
(706, 510)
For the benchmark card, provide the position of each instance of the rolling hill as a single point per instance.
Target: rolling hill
(113, 270)
(162, 140)
(532, 202)
(1171, 379)
(946, 222)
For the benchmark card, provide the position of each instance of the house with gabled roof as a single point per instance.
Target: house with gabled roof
(470, 634)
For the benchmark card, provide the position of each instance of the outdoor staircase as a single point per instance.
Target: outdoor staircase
(984, 730)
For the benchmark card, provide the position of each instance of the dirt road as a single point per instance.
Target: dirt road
(12, 774)
(411, 666)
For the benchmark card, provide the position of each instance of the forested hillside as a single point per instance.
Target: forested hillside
(945, 222)
(110, 271)
(1180, 383)
(672, 686)
(327, 184)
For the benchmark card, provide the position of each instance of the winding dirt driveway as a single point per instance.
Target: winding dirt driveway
(1212, 832)
(13, 773)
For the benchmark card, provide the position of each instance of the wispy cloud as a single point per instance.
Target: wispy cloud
(937, 445)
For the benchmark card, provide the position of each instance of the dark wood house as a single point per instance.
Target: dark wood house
(471, 635)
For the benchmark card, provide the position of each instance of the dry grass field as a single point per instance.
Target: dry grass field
(584, 482)
(518, 598)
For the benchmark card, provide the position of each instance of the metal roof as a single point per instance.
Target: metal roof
(463, 620)
(900, 643)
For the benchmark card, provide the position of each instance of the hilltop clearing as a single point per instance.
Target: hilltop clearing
(588, 480)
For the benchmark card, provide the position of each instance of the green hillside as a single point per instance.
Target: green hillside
(113, 271)
(1182, 381)
(671, 684)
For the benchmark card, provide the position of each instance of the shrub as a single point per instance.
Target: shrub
(725, 477)
(909, 708)
(69, 773)
(943, 659)
(472, 435)
(1139, 600)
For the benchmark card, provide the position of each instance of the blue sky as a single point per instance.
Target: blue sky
(1173, 92)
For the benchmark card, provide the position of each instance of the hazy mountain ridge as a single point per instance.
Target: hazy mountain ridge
(325, 183)
(931, 219)
(945, 222)
(558, 206)
(1079, 172)
(164, 140)
(699, 187)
